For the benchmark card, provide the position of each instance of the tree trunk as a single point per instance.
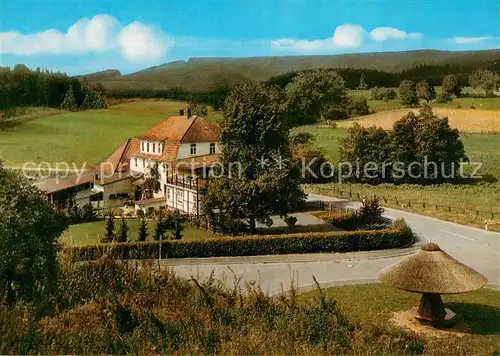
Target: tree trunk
(251, 223)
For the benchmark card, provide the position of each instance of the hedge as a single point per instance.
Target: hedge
(334, 241)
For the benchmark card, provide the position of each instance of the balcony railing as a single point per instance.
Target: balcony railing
(181, 181)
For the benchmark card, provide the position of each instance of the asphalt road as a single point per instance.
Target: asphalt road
(474, 247)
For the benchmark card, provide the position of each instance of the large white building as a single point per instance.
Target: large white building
(185, 148)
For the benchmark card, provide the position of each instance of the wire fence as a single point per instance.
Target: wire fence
(401, 202)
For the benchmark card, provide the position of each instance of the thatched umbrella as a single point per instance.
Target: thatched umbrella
(432, 272)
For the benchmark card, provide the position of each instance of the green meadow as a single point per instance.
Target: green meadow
(81, 137)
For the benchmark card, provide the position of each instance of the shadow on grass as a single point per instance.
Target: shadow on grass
(483, 319)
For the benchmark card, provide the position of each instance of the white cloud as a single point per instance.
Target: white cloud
(140, 42)
(136, 42)
(389, 33)
(345, 36)
(469, 40)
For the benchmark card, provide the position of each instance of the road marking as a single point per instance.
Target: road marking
(452, 233)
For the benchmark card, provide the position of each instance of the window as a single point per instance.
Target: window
(143, 163)
(154, 147)
(135, 159)
(169, 196)
(148, 146)
(164, 189)
(212, 148)
(193, 148)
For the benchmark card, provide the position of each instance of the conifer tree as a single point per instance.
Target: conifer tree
(110, 229)
(69, 102)
(143, 231)
(123, 231)
(362, 83)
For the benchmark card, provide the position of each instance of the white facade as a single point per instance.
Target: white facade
(182, 198)
(201, 149)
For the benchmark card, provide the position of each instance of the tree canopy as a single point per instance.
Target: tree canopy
(311, 93)
(29, 232)
(421, 148)
(259, 177)
(408, 93)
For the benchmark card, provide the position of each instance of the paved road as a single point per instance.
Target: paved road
(477, 248)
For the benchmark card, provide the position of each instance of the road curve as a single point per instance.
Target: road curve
(474, 247)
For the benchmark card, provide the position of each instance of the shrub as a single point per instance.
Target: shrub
(333, 241)
(371, 211)
(290, 221)
(444, 98)
(358, 107)
(335, 113)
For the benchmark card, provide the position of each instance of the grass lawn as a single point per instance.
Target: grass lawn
(373, 304)
(465, 204)
(466, 103)
(86, 136)
(91, 233)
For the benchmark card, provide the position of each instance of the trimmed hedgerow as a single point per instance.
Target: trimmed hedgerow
(338, 241)
(346, 221)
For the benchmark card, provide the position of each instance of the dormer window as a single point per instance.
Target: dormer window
(193, 148)
(212, 148)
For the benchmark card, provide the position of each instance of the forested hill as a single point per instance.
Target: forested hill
(208, 74)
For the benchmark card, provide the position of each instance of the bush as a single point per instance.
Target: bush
(444, 98)
(371, 212)
(335, 113)
(290, 221)
(249, 246)
(358, 107)
(383, 94)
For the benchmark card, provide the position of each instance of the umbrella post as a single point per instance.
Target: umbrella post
(431, 307)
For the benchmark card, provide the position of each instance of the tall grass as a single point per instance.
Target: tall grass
(114, 308)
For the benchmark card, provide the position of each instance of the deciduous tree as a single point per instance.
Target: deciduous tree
(254, 138)
(425, 91)
(451, 85)
(408, 94)
(29, 232)
(312, 93)
(485, 80)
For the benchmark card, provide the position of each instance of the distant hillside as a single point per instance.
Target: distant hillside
(99, 77)
(205, 74)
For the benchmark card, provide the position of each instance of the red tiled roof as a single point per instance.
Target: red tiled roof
(119, 160)
(174, 131)
(183, 129)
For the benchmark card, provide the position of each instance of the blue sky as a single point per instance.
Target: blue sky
(88, 35)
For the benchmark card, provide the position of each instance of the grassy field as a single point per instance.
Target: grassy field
(457, 103)
(91, 233)
(373, 305)
(86, 136)
(465, 203)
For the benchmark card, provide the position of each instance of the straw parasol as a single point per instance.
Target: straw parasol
(432, 272)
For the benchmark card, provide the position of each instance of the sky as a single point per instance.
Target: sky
(83, 36)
